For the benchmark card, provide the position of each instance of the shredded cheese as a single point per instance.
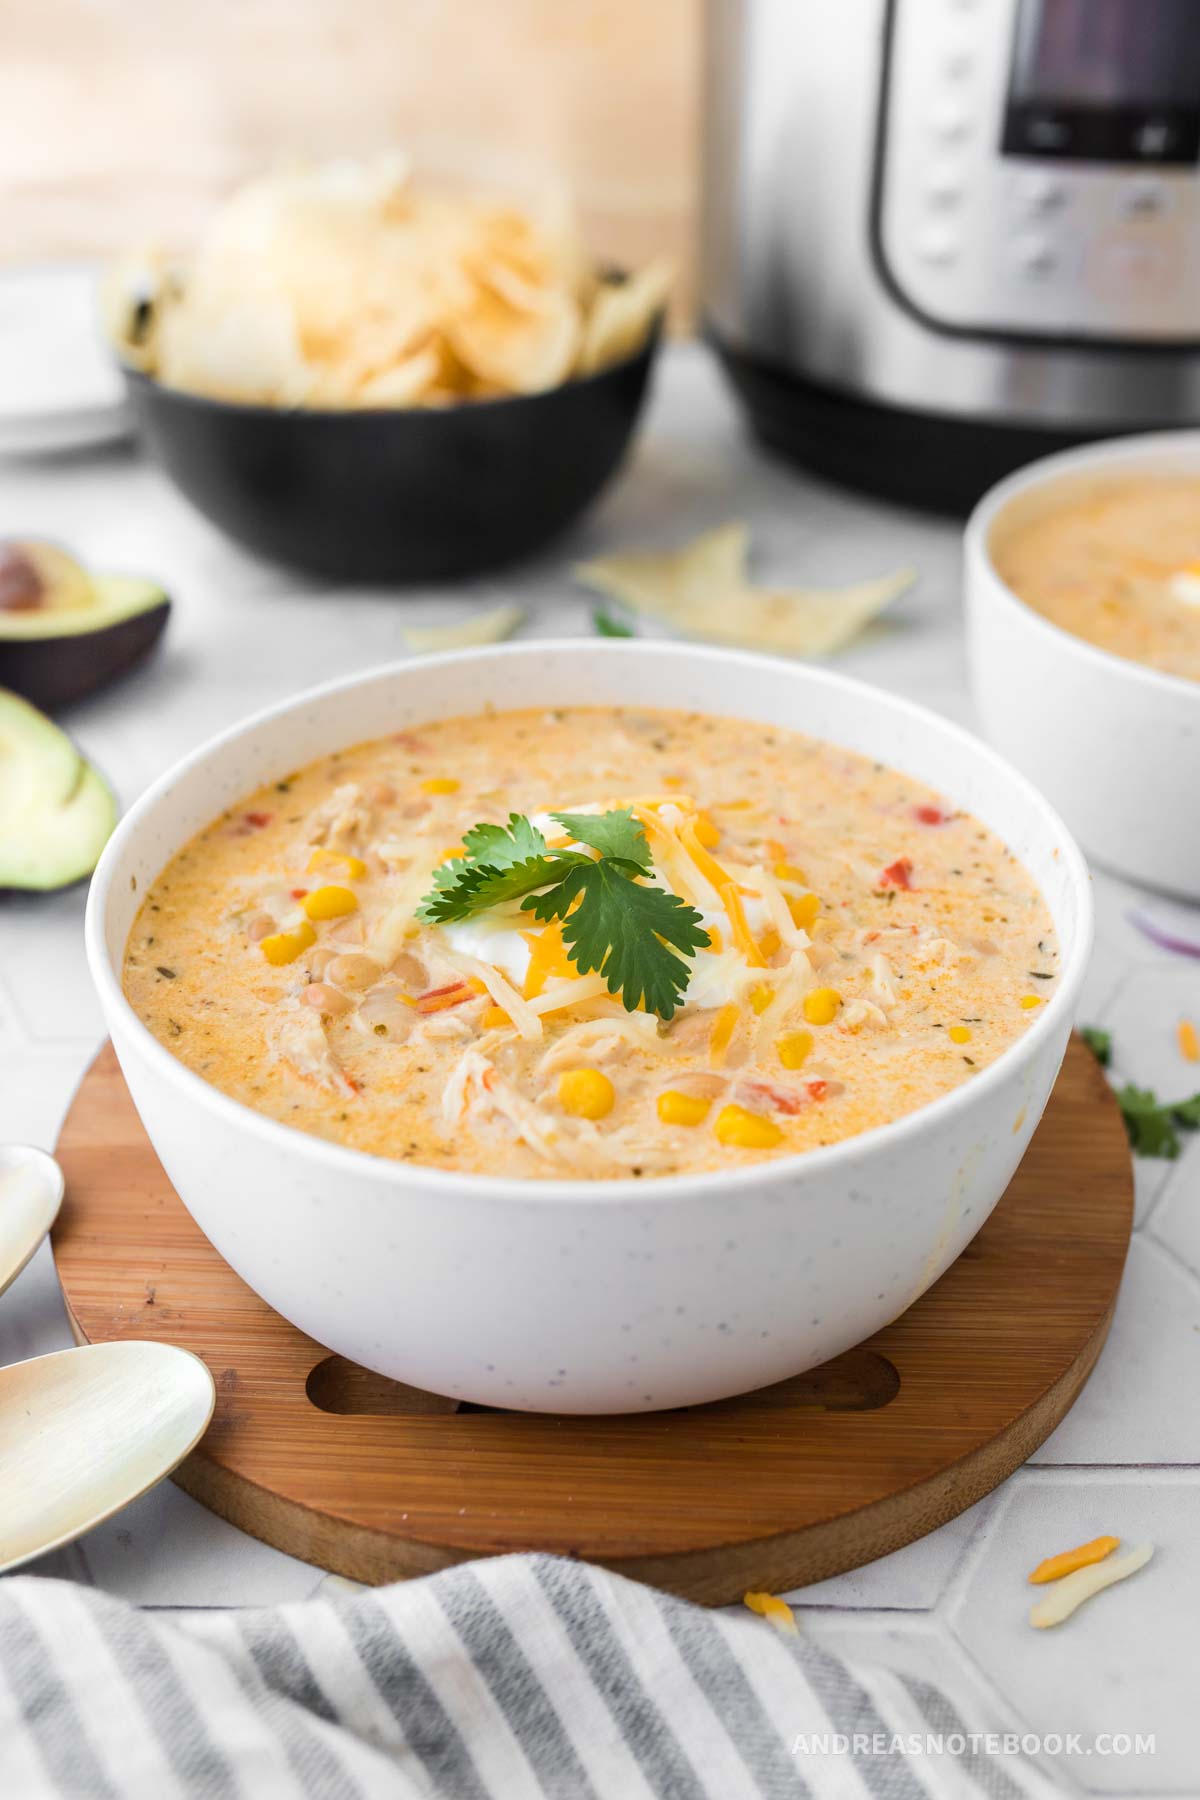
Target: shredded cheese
(1067, 1561)
(775, 1611)
(1065, 1596)
(743, 937)
(524, 1019)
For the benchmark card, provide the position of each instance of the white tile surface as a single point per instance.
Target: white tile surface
(1141, 1403)
(243, 635)
(1122, 1662)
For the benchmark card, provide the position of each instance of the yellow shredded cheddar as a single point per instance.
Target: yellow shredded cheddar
(761, 996)
(352, 867)
(547, 957)
(724, 1026)
(786, 871)
(1067, 1561)
(707, 832)
(494, 1018)
(743, 937)
(1189, 1043)
(775, 1611)
(707, 864)
(769, 942)
(451, 851)
(715, 940)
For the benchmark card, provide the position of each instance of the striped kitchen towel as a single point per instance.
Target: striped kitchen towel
(524, 1678)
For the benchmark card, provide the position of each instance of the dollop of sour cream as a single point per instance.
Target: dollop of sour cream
(718, 976)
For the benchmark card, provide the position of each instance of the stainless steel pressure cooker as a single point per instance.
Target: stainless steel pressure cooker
(941, 237)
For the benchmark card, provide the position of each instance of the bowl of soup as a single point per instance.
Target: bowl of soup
(590, 1029)
(1083, 620)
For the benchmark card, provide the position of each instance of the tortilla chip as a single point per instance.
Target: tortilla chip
(701, 590)
(481, 628)
(622, 316)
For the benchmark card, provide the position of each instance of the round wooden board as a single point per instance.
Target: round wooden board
(777, 1489)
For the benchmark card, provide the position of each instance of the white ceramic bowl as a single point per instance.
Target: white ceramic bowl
(1113, 744)
(606, 1296)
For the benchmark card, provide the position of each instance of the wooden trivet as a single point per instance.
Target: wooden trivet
(776, 1489)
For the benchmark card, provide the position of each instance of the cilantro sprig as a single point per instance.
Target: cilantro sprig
(614, 921)
(1152, 1125)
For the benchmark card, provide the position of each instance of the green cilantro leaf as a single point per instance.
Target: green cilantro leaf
(1098, 1042)
(1151, 1127)
(626, 931)
(615, 834)
(468, 888)
(607, 626)
(502, 845)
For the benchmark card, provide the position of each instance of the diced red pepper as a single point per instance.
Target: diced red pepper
(257, 819)
(298, 893)
(896, 874)
(929, 815)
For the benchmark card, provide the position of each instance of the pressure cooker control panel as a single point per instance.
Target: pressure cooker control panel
(1039, 166)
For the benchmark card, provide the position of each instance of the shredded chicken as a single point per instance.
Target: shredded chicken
(301, 1041)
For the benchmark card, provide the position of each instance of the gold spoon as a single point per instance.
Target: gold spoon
(82, 1432)
(31, 1191)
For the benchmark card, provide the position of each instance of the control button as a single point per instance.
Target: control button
(1131, 266)
(957, 63)
(951, 121)
(944, 185)
(1143, 200)
(937, 245)
(1035, 256)
(1042, 195)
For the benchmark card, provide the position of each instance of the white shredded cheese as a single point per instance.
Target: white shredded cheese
(1063, 1597)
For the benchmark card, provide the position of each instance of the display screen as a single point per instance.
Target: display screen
(1106, 80)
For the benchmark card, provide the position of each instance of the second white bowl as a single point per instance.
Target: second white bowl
(1113, 744)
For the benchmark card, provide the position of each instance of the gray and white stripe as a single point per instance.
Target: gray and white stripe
(525, 1678)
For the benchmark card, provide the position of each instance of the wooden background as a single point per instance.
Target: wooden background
(126, 120)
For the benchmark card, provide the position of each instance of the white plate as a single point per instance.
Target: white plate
(59, 387)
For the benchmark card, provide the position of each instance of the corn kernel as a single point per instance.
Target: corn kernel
(1029, 1001)
(786, 871)
(1189, 1043)
(761, 997)
(352, 867)
(440, 784)
(329, 903)
(804, 910)
(740, 1129)
(285, 946)
(821, 1007)
(960, 1034)
(707, 832)
(587, 1093)
(494, 1018)
(675, 1108)
(793, 1047)
(450, 852)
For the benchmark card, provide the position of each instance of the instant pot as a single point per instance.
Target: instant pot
(941, 237)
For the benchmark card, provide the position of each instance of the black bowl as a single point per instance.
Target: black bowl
(422, 494)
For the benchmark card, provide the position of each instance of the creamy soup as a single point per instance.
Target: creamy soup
(1120, 566)
(808, 944)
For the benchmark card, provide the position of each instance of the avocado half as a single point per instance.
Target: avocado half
(56, 812)
(65, 632)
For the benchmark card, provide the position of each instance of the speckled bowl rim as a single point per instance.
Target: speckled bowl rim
(1128, 454)
(804, 1165)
